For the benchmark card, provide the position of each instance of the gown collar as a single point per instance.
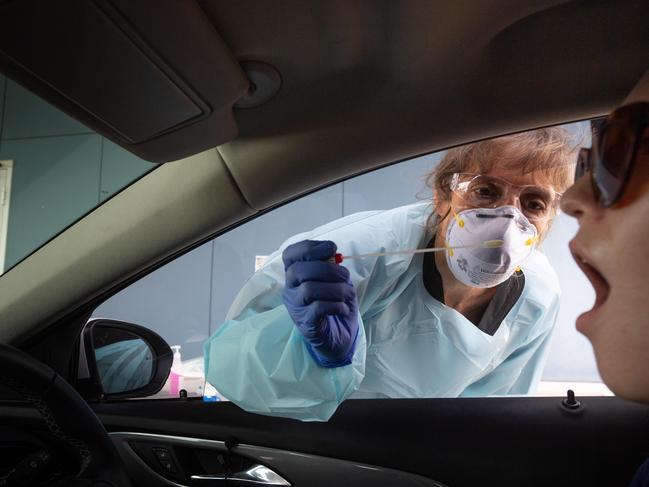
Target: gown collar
(507, 293)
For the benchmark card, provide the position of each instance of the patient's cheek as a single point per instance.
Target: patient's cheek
(638, 184)
(626, 334)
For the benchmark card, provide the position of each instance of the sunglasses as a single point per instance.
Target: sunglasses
(614, 150)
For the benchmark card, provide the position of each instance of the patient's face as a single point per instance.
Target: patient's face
(613, 247)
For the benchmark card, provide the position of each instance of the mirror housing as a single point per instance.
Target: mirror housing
(132, 360)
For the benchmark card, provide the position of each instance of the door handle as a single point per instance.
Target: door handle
(259, 475)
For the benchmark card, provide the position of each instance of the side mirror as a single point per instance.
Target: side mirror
(121, 360)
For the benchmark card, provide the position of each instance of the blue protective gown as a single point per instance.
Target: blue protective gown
(410, 345)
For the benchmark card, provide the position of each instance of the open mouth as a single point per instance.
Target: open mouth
(599, 283)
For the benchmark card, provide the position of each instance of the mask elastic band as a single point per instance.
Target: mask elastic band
(449, 248)
(531, 241)
(459, 220)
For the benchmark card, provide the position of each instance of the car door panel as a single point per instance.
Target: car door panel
(458, 442)
(209, 457)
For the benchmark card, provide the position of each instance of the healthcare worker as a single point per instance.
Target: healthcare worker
(305, 333)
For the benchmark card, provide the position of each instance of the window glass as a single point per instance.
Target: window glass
(191, 298)
(53, 170)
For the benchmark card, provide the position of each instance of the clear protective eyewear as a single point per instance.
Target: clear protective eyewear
(483, 191)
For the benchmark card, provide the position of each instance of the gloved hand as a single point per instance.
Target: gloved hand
(321, 300)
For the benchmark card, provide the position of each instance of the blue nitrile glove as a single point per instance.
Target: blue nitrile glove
(320, 297)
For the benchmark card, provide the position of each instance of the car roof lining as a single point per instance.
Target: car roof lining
(372, 87)
(640, 91)
(341, 114)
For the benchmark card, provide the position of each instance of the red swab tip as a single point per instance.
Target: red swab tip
(338, 258)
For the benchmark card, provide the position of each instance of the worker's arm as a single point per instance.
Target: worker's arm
(265, 363)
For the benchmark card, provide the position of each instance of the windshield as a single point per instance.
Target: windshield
(53, 170)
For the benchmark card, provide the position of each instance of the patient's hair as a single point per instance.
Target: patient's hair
(550, 152)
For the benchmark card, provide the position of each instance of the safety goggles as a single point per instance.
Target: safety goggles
(614, 150)
(483, 191)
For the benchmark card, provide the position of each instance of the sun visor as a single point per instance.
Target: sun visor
(153, 76)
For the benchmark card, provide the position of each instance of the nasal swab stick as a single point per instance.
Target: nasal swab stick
(487, 244)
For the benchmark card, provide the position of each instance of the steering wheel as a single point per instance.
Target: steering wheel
(68, 417)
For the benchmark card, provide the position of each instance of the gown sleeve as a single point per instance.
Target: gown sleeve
(258, 359)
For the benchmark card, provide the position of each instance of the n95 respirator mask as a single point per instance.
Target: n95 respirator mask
(478, 266)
